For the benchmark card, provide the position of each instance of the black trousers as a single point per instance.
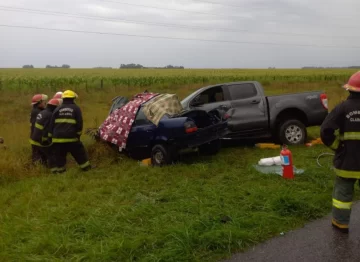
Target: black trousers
(43, 155)
(76, 149)
(39, 155)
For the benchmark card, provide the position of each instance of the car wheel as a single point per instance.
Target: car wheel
(292, 132)
(211, 148)
(162, 155)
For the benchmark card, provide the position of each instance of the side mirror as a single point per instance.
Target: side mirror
(197, 101)
(224, 107)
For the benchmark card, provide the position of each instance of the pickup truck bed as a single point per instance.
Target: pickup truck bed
(254, 115)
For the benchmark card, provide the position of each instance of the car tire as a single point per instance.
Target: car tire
(292, 132)
(211, 148)
(162, 155)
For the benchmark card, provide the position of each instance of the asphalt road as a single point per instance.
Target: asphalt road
(317, 241)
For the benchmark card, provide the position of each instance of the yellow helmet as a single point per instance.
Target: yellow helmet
(69, 94)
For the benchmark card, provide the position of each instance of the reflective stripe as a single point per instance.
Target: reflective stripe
(64, 140)
(85, 164)
(341, 205)
(49, 134)
(38, 126)
(79, 133)
(38, 144)
(65, 120)
(61, 169)
(35, 143)
(335, 144)
(347, 174)
(338, 224)
(56, 169)
(337, 140)
(44, 139)
(351, 135)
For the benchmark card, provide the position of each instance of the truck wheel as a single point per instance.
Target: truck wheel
(292, 132)
(211, 148)
(162, 155)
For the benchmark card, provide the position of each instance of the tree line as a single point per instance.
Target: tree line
(122, 66)
(48, 66)
(138, 66)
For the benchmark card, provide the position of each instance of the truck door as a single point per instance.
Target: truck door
(210, 99)
(248, 112)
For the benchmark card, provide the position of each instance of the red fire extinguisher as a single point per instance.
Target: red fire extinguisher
(287, 163)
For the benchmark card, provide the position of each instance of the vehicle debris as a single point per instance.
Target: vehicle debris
(267, 146)
(317, 141)
(2, 141)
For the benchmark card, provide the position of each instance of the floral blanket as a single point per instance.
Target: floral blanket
(118, 124)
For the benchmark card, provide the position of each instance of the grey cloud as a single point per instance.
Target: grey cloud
(330, 18)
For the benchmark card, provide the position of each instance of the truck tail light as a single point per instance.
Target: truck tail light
(190, 127)
(324, 100)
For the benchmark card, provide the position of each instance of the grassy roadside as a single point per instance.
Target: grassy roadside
(202, 209)
(199, 210)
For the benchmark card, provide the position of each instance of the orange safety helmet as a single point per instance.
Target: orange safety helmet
(55, 102)
(38, 98)
(58, 95)
(353, 84)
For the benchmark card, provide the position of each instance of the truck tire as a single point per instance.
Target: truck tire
(292, 132)
(211, 148)
(162, 155)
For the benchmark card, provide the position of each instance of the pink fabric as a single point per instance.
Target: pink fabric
(117, 126)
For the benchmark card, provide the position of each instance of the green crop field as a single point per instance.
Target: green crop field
(200, 209)
(57, 78)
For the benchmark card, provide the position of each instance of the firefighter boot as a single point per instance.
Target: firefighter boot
(342, 202)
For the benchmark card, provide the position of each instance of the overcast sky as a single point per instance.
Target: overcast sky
(306, 33)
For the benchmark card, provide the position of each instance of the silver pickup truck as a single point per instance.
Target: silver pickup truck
(252, 115)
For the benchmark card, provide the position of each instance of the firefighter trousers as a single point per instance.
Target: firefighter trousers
(42, 155)
(76, 149)
(342, 201)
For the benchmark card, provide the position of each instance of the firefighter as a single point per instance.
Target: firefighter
(40, 136)
(38, 103)
(58, 95)
(340, 131)
(66, 129)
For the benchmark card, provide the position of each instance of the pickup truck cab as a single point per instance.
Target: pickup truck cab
(252, 115)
